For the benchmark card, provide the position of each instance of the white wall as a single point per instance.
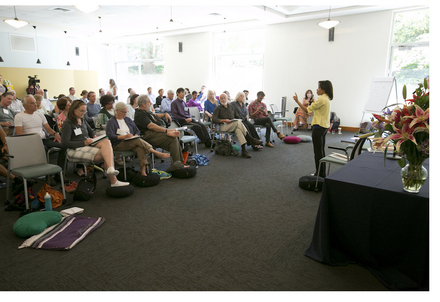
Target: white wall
(191, 68)
(298, 55)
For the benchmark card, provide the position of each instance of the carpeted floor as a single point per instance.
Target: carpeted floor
(238, 225)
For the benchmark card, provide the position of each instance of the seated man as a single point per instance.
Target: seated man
(165, 106)
(32, 121)
(45, 102)
(16, 104)
(6, 114)
(152, 127)
(181, 112)
(224, 113)
(258, 112)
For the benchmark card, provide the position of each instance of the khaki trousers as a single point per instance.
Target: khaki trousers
(238, 128)
(161, 140)
(137, 145)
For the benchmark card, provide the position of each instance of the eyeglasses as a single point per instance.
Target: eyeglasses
(82, 111)
(124, 112)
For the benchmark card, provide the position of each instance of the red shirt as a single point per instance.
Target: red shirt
(254, 106)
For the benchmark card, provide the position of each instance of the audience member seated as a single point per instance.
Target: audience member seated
(132, 106)
(130, 93)
(63, 105)
(40, 108)
(188, 95)
(300, 115)
(239, 107)
(334, 123)
(16, 104)
(152, 127)
(246, 93)
(32, 121)
(202, 95)
(121, 130)
(159, 98)
(71, 95)
(6, 114)
(151, 96)
(101, 92)
(228, 96)
(194, 102)
(224, 115)
(209, 105)
(84, 96)
(45, 102)
(93, 108)
(77, 136)
(106, 112)
(181, 113)
(4, 150)
(258, 112)
(165, 106)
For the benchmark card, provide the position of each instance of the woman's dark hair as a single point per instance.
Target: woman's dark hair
(61, 96)
(71, 114)
(327, 87)
(132, 98)
(308, 92)
(62, 102)
(194, 92)
(106, 99)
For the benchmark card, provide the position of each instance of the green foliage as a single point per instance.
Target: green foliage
(411, 26)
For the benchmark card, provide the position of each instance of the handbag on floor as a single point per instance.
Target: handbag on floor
(85, 189)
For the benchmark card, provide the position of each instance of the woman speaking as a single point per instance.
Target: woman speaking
(321, 120)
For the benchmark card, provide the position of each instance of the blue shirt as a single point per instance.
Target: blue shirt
(165, 106)
(210, 106)
(93, 109)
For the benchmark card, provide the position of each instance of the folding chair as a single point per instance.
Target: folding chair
(215, 130)
(278, 115)
(341, 159)
(184, 138)
(27, 164)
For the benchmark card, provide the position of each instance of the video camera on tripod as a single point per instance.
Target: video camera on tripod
(33, 85)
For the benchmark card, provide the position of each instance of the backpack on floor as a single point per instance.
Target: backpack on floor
(85, 189)
(223, 147)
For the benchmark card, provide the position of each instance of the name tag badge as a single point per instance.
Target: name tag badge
(5, 111)
(77, 131)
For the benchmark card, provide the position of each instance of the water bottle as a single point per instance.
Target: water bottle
(47, 202)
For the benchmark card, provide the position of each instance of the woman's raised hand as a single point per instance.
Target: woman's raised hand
(295, 97)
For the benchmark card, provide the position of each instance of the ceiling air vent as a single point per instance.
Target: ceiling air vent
(61, 9)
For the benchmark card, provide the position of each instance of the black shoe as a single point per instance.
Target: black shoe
(245, 154)
(208, 144)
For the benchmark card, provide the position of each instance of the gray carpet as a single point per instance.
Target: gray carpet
(238, 225)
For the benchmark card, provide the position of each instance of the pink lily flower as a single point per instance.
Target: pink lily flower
(420, 117)
(402, 135)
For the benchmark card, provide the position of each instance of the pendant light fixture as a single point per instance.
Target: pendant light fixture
(67, 52)
(224, 25)
(1, 60)
(15, 22)
(36, 44)
(171, 8)
(329, 23)
(157, 41)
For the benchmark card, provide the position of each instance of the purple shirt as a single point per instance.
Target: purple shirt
(195, 103)
(179, 110)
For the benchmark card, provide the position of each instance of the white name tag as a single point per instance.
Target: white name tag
(5, 111)
(77, 131)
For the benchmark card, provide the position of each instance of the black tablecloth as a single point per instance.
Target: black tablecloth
(366, 217)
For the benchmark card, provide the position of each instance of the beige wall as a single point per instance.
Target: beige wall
(56, 81)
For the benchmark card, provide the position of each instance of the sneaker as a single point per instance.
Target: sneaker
(120, 184)
(162, 174)
(119, 161)
(269, 144)
(112, 171)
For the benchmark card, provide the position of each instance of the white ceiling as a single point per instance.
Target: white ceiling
(118, 21)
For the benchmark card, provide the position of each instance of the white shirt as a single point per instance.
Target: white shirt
(130, 112)
(16, 106)
(47, 104)
(31, 123)
(123, 128)
(152, 98)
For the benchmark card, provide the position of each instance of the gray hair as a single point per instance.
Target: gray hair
(238, 95)
(120, 106)
(170, 91)
(26, 98)
(142, 99)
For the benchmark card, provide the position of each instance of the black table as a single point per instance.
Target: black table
(366, 217)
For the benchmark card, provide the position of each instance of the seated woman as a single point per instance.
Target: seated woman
(334, 123)
(194, 102)
(133, 105)
(40, 108)
(240, 108)
(63, 105)
(76, 138)
(210, 104)
(106, 112)
(121, 130)
(301, 116)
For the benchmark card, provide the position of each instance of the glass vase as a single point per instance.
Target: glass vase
(413, 177)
